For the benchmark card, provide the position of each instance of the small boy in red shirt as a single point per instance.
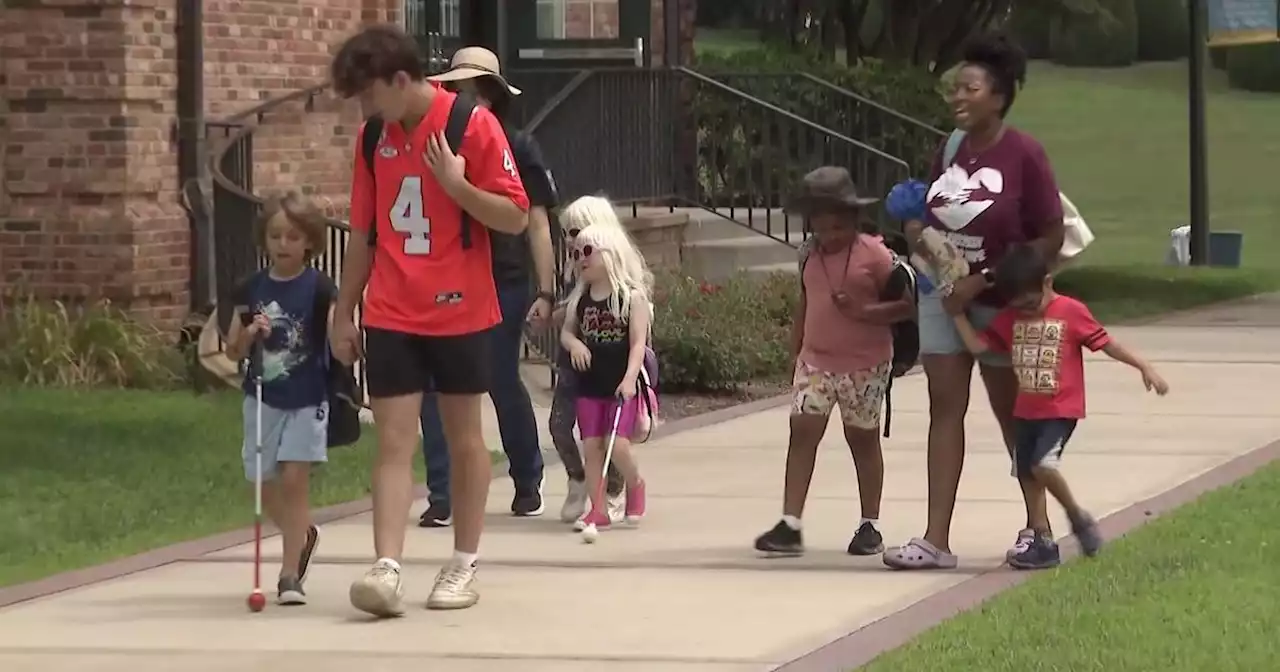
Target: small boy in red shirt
(1045, 333)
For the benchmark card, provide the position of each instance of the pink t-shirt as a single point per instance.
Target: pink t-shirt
(833, 341)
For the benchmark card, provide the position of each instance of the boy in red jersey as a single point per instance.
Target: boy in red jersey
(428, 292)
(1044, 333)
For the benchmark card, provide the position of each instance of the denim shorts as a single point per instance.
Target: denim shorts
(938, 335)
(1039, 443)
(296, 435)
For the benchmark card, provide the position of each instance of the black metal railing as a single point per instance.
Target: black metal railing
(839, 109)
(679, 137)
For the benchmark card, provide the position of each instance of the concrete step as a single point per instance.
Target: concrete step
(740, 223)
(719, 259)
(770, 269)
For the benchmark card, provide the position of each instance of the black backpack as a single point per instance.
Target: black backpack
(906, 334)
(454, 130)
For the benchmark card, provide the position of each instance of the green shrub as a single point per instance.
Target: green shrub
(1254, 67)
(1097, 42)
(1163, 32)
(1030, 25)
(719, 336)
(772, 75)
(47, 343)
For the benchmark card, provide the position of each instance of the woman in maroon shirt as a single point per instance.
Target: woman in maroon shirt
(996, 192)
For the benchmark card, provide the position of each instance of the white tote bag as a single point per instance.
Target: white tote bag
(1076, 234)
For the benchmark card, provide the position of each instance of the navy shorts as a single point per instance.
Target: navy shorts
(1039, 443)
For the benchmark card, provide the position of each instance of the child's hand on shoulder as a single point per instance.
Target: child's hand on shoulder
(1152, 381)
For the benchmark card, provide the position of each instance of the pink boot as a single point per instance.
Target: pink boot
(635, 503)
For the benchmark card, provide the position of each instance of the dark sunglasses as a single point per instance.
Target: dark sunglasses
(584, 253)
(573, 233)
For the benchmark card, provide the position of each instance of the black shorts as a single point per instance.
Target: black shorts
(1039, 443)
(397, 363)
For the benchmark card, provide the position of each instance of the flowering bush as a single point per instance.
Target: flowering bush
(718, 336)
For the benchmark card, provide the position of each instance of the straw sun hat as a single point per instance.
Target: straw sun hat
(471, 63)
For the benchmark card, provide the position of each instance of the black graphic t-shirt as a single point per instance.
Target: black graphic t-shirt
(608, 336)
(294, 353)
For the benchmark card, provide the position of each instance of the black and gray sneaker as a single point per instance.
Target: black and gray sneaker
(528, 501)
(289, 592)
(1041, 553)
(1086, 530)
(308, 552)
(782, 540)
(437, 514)
(866, 541)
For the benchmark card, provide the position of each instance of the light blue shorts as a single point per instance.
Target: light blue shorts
(938, 335)
(299, 435)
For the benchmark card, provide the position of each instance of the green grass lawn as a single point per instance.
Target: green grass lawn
(87, 477)
(1191, 592)
(1118, 142)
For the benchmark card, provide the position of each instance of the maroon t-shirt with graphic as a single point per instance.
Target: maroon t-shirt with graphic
(986, 202)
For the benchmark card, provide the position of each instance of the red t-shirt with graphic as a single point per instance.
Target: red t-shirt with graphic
(1048, 356)
(986, 202)
(423, 281)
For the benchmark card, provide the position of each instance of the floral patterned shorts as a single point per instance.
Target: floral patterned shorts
(860, 395)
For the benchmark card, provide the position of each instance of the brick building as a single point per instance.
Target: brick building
(89, 99)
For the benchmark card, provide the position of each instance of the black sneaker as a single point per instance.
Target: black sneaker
(437, 515)
(308, 552)
(781, 541)
(866, 541)
(289, 592)
(1086, 530)
(1041, 553)
(528, 502)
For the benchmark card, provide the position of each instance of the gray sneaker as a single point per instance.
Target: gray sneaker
(289, 592)
(1086, 530)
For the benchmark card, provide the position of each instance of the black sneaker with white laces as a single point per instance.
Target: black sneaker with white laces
(782, 540)
(528, 501)
(437, 515)
(866, 541)
(1041, 553)
(289, 592)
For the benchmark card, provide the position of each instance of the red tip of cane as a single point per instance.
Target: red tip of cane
(257, 601)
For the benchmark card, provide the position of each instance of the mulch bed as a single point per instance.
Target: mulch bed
(677, 405)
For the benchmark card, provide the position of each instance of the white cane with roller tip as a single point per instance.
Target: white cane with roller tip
(590, 533)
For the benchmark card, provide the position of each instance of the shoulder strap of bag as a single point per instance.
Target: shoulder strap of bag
(454, 131)
(368, 149)
(802, 258)
(951, 148)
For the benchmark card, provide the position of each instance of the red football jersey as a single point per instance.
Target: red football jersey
(423, 281)
(1047, 356)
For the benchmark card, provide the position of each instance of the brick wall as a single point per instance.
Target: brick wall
(88, 170)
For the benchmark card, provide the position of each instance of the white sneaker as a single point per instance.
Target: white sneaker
(575, 503)
(379, 591)
(617, 506)
(455, 588)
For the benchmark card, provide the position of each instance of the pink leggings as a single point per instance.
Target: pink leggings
(595, 417)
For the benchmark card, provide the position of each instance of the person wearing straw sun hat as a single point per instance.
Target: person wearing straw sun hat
(476, 71)
(842, 339)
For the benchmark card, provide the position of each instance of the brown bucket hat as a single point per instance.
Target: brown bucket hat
(828, 188)
(473, 62)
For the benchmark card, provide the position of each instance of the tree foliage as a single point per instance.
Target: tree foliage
(927, 34)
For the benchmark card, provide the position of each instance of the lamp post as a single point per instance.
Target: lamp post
(1199, 183)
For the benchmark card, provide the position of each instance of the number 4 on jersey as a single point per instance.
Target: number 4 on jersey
(409, 216)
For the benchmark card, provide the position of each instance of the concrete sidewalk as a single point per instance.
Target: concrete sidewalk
(685, 592)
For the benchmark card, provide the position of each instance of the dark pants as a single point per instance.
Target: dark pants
(516, 424)
(564, 415)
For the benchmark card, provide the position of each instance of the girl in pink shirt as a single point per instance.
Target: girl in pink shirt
(843, 342)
